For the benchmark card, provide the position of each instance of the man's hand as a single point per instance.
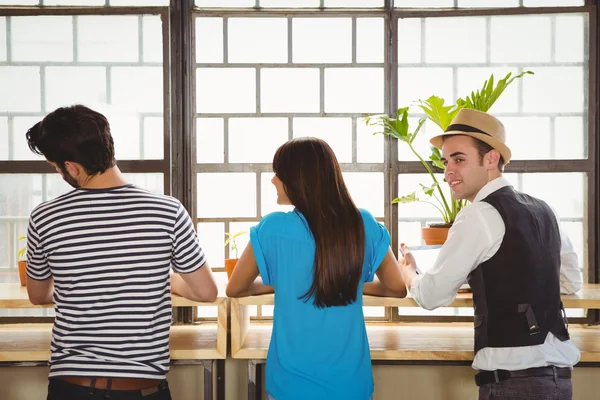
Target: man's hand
(408, 265)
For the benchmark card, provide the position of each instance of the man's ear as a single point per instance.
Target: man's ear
(492, 159)
(73, 168)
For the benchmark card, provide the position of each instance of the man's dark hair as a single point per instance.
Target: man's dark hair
(77, 134)
(482, 149)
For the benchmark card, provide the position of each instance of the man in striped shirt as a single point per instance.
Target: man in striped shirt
(102, 254)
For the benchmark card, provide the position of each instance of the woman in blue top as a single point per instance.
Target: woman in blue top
(319, 260)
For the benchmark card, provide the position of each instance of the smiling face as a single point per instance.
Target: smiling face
(282, 197)
(466, 171)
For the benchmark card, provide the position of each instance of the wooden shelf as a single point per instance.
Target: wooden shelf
(587, 297)
(31, 342)
(418, 342)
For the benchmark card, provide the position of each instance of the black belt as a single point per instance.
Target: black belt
(500, 374)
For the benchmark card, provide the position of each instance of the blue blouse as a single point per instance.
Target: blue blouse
(315, 353)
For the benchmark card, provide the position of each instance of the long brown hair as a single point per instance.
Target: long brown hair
(313, 182)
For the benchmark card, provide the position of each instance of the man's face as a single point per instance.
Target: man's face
(67, 177)
(465, 173)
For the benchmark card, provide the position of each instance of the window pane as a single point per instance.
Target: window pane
(366, 189)
(555, 90)
(70, 85)
(153, 138)
(409, 40)
(528, 137)
(372, 311)
(73, 2)
(289, 90)
(532, 33)
(225, 3)
(570, 38)
(468, 43)
(570, 138)
(215, 85)
(20, 89)
(549, 3)
(4, 141)
(369, 147)
(322, 40)
(243, 240)
(210, 140)
(27, 32)
(212, 238)
(354, 3)
(337, 132)
(209, 40)
(488, 3)
(424, 3)
(236, 195)
(370, 40)
(152, 37)
(19, 2)
(421, 83)
(137, 88)
(118, 41)
(255, 140)
(287, 3)
(366, 85)
(2, 38)
(139, 2)
(253, 40)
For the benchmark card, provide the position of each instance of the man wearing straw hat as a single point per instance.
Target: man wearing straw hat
(509, 247)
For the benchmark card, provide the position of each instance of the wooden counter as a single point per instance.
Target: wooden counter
(13, 295)
(416, 342)
(587, 297)
(31, 342)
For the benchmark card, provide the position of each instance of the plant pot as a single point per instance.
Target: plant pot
(22, 272)
(435, 235)
(230, 265)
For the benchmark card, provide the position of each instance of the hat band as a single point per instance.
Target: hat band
(465, 128)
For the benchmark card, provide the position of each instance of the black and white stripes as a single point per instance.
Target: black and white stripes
(110, 252)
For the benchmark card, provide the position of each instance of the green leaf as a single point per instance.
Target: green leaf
(484, 99)
(239, 234)
(409, 198)
(436, 111)
(428, 190)
(22, 238)
(21, 252)
(436, 158)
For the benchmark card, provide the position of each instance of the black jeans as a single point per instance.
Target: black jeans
(62, 390)
(538, 387)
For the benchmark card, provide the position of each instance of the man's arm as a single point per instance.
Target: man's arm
(244, 280)
(40, 292)
(474, 237)
(388, 282)
(199, 285)
(570, 271)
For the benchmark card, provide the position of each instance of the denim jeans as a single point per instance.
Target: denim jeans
(62, 390)
(539, 388)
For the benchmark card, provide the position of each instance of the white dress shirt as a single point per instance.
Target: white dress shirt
(474, 238)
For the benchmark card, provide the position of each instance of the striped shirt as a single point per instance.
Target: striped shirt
(110, 252)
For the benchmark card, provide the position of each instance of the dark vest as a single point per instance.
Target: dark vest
(516, 293)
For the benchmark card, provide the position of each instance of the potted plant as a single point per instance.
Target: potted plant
(231, 262)
(22, 263)
(442, 115)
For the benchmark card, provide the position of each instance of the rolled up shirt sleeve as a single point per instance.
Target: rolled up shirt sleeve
(474, 237)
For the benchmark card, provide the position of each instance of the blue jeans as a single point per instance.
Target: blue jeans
(540, 388)
(62, 390)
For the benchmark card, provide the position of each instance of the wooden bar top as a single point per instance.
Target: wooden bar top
(587, 297)
(13, 295)
(31, 342)
(420, 341)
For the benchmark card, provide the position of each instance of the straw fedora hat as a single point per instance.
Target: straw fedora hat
(479, 125)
